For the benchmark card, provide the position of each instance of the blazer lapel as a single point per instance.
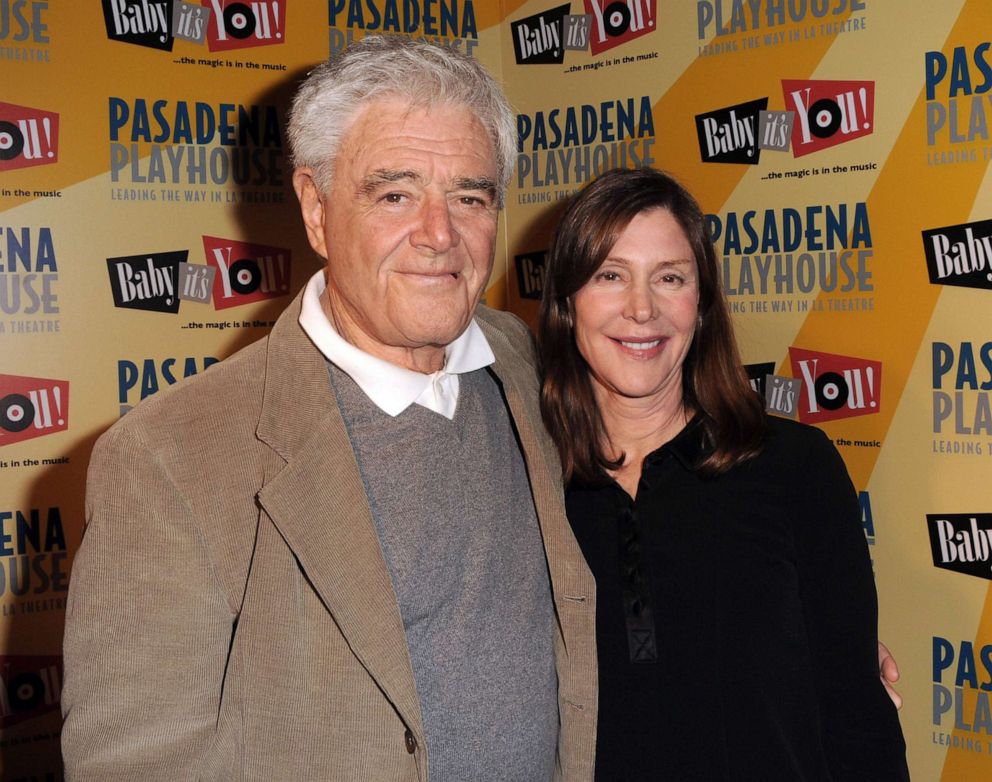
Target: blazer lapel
(515, 368)
(315, 497)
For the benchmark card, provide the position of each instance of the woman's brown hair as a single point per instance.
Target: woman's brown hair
(714, 385)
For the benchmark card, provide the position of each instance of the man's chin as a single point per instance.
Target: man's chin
(433, 334)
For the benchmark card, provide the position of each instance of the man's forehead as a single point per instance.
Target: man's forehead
(396, 129)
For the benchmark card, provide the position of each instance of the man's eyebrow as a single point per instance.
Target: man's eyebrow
(372, 181)
(484, 184)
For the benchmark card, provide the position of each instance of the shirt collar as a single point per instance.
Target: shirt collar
(394, 388)
(689, 446)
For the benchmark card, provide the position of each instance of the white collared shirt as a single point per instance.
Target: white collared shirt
(394, 388)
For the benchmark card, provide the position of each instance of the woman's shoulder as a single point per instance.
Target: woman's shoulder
(805, 459)
(785, 432)
(795, 445)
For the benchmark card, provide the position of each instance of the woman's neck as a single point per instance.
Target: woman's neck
(636, 427)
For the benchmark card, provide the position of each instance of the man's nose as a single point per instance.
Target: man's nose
(435, 229)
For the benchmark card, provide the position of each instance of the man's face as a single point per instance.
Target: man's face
(408, 228)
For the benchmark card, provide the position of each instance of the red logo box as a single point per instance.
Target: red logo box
(28, 137)
(31, 687)
(836, 386)
(32, 407)
(246, 272)
(615, 23)
(237, 24)
(828, 113)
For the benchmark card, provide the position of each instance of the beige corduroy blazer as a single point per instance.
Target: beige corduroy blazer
(230, 615)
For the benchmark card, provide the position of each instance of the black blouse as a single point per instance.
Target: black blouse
(736, 619)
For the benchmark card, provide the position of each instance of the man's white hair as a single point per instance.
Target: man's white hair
(414, 70)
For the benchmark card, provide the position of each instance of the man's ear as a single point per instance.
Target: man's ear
(311, 207)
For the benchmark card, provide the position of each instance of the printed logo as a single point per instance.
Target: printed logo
(246, 272)
(530, 274)
(578, 27)
(189, 22)
(828, 112)
(452, 21)
(32, 407)
(240, 25)
(140, 22)
(968, 410)
(962, 542)
(966, 698)
(537, 40)
(193, 143)
(33, 552)
(960, 117)
(757, 376)
(223, 25)
(835, 386)
(867, 520)
(28, 137)
(565, 147)
(616, 23)
(782, 396)
(196, 282)
(147, 376)
(146, 282)
(775, 130)
(29, 274)
(23, 22)
(960, 255)
(730, 135)
(780, 252)
(751, 17)
(235, 273)
(32, 687)
(542, 39)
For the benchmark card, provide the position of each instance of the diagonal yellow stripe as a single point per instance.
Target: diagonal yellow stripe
(677, 145)
(908, 197)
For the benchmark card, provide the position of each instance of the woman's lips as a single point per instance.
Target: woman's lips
(640, 347)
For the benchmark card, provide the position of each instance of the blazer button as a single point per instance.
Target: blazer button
(411, 742)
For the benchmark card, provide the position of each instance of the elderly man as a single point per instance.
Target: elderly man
(341, 554)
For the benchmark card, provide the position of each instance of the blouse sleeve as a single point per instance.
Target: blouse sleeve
(861, 732)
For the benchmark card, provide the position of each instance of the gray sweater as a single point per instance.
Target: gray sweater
(453, 509)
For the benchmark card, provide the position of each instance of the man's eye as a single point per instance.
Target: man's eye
(473, 201)
(393, 198)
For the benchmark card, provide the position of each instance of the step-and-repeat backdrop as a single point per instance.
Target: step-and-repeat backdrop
(839, 147)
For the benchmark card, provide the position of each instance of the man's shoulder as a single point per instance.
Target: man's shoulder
(501, 319)
(508, 336)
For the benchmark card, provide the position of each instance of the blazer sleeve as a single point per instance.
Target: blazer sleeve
(148, 627)
(863, 739)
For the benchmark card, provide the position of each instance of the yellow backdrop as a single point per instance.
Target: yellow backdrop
(840, 147)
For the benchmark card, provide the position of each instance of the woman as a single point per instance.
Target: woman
(736, 612)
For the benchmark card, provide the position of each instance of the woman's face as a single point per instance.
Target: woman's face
(634, 319)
